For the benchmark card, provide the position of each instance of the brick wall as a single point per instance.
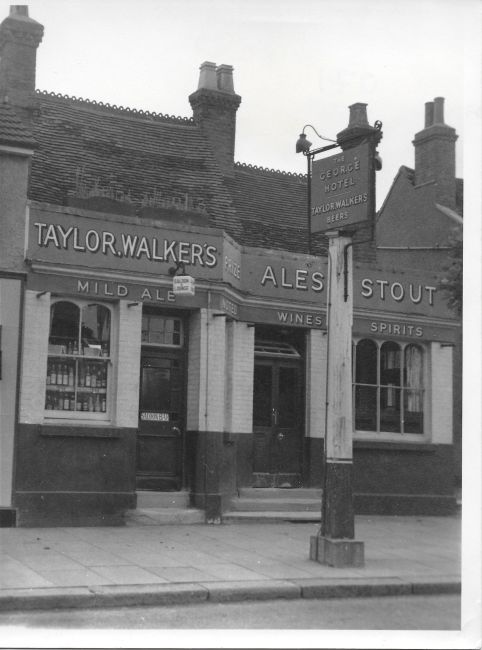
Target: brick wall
(441, 394)
(13, 193)
(239, 377)
(34, 357)
(10, 298)
(128, 365)
(316, 349)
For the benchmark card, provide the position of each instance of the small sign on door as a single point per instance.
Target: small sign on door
(148, 416)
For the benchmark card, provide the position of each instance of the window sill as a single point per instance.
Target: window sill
(404, 445)
(69, 430)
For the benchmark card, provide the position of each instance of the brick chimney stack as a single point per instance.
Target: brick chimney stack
(214, 106)
(358, 129)
(435, 153)
(20, 37)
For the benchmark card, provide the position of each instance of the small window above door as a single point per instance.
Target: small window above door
(275, 349)
(161, 330)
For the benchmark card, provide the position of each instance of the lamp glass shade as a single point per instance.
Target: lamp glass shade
(302, 144)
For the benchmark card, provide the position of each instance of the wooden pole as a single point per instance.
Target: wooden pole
(335, 545)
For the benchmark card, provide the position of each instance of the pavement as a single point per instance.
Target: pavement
(51, 568)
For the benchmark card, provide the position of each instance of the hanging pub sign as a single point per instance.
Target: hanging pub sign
(341, 189)
(183, 285)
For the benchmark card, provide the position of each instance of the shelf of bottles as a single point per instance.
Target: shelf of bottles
(77, 379)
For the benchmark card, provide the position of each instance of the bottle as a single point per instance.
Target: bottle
(93, 378)
(97, 405)
(65, 375)
(71, 375)
(79, 403)
(103, 405)
(60, 402)
(53, 374)
(58, 380)
(104, 378)
(81, 375)
(91, 403)
(75, 349)
(87, 377)
(66, 402)
(85, 404)
(69, 347)
(47, 379)
(72, 402)
(48, 402)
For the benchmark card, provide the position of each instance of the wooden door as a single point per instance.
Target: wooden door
(161, 421)
(278, 420)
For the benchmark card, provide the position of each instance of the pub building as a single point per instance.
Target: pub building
(115, 386)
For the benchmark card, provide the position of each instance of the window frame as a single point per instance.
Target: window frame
(81, 416)
(389, 436)
(147, 313)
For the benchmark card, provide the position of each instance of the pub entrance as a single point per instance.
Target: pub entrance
(160, 436)
(278, 409)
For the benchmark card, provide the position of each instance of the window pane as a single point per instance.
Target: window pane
(155, 391)
(366, 408)
(161, 330)
(76, 385)
(64, 326)
(366, 362)
(413, 411)
(96, 328)
(390, 364)
(413, 367)
(390, 409)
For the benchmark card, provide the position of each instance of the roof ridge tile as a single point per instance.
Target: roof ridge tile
(113, 107)
(278, 172)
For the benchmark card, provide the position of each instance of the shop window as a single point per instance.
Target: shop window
(388, 386)
(158, 329)
(78, 374)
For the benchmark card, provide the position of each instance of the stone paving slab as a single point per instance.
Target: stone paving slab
(106, 567)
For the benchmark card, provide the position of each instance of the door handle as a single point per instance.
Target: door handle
(280, 435)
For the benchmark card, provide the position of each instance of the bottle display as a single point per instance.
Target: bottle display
(76, 384)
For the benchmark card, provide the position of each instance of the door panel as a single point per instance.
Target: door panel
(159, 439)
(277, 417)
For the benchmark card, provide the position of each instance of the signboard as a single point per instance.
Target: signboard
(149, 416)
(341, 188)
(183, 285)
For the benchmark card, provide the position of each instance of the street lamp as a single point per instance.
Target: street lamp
(341, 196)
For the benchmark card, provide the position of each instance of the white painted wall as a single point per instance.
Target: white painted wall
(10, 295)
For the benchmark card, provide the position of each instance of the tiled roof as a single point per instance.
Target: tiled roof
(85, 145)
(271, 206)
(12, 131)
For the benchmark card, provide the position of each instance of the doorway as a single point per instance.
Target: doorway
(160, 435)
(277, 422)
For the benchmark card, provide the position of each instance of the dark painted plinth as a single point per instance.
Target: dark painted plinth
(8, 517)
(337, 552)
(338, 515)
(212, 465)
(72, 475)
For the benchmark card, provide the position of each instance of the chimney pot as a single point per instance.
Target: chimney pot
(428, 114)
(19, 10)
(358, 115)
(224, 75)
(438, 110)
(207, 76)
